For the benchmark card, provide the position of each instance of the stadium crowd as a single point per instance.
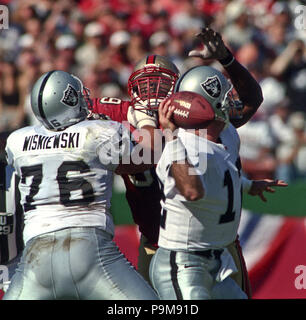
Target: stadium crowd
(100, 41)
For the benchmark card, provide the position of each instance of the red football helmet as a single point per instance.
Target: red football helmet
(152, 80)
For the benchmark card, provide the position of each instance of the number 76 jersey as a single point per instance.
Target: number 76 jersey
(212, 221)
(66, 176)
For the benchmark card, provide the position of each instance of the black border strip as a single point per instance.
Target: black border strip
(151, 59)
(40, 98)
(174, 279)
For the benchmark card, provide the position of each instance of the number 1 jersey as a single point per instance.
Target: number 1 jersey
(66, 176)
(210, 222)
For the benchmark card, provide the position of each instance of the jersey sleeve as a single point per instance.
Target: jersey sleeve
(163, 171)
(114, 108)
(114, 146)
(164, 174)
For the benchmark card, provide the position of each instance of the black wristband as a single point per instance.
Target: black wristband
(228, 59)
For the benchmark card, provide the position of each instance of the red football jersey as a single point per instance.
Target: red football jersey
(142, 189)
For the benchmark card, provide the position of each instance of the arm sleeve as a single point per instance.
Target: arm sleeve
(246, 184)
(114, 147)
(113, 108)
(163, 171)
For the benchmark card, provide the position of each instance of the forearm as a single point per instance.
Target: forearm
(187, 181)
(281, 63)
(145, 154)
(149, 137)
(188, 184)
(246, 86)
(248, 89)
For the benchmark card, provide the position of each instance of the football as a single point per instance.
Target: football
(192, 111)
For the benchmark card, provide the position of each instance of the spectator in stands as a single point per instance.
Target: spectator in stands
(11, 109)
(118, 45)
(159, 43)
(136, 48)
(66, 45)
(40, 39)
(88, 54)
(238, 29)
(298, 155)
(290, 67)
(257, 148)
(286, 141)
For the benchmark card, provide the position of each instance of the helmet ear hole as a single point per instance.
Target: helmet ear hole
(218, 105)
(136, 90)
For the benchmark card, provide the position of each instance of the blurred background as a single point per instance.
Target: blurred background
(100, 41)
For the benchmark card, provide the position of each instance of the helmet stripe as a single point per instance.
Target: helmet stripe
(151, 59)
(40, 97)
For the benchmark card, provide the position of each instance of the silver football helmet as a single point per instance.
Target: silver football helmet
(214, 87)
(58, 100)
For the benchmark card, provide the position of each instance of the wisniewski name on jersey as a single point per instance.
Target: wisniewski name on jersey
(60, 141)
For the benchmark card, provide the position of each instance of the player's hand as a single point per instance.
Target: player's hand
(259, 186)
(165, 111)
(97, 116)
(140, 118)
(214, 47)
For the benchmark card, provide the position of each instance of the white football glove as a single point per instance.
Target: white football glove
(140, 118)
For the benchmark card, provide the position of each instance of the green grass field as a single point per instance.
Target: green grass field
(289, 201)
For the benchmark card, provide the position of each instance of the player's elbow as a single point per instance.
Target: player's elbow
(259, 98)
(254, 98)
(193, 194)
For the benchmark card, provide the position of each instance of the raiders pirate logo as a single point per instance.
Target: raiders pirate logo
(70, 97)
(212, 86)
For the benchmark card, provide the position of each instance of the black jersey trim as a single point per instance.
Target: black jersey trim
(40, 98)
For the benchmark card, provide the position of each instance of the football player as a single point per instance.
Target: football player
(215, 88)
(66, 166)
(201, 211)
(153, 79)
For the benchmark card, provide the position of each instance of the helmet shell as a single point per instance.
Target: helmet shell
(57, 100)
(211, 84)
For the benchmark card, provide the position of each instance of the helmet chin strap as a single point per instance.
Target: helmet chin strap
(140, 104)
(143, 104)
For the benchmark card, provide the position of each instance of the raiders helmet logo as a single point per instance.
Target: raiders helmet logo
(70, 97)
(212, 86)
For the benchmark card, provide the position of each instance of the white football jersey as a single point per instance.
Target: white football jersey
(66, 177)
(229, 137)
(211, 222)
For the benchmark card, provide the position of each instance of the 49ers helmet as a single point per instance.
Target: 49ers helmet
(58, 100)
(152, 80)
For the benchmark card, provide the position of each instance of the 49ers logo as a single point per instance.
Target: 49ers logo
(212, 86)
(70, 96)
